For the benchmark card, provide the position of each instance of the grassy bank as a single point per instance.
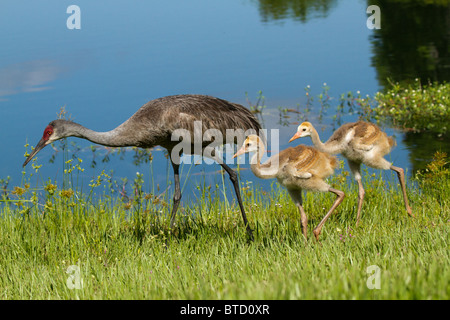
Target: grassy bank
(416, 107)
(124, 250)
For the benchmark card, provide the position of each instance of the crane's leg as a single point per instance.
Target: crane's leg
(337, 202)
(361, 194)
(355, 168)
(401, 178)
(296, 196)
(234, 180)
(304, 221)
(177, 193)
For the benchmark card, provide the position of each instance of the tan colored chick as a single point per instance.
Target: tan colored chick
(298, 168)
(359, 142)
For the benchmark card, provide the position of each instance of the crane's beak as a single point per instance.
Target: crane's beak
(41, 144)
(241, 151)
(296, 136)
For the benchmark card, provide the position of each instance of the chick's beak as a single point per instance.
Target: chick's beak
(241, 151)
(296, 136)
(41, 144)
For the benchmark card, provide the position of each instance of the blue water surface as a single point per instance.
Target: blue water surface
(127, 53)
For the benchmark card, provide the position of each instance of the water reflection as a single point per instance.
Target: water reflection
(413, 42)
(300, 10)
(30, 76)
(422, 147)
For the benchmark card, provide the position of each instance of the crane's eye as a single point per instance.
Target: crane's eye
(48, 131)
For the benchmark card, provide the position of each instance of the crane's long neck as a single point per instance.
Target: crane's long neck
(317, 142)
(266, 171)
(332, 146)
(112, 138)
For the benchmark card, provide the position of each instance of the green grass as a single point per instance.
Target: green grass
(125, 250)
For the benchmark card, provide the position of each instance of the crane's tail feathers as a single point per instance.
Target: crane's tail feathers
(392, 142)
(333, 161)
(250, 122)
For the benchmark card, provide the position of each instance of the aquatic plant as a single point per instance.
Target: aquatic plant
(416, 107)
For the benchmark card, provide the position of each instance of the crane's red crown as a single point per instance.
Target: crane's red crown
(47, 132)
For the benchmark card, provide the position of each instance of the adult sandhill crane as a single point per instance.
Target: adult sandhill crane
(299, 168)
(359, 142)
(157, 121)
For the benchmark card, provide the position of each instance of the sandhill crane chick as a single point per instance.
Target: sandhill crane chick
(359, 142)
(299, 168)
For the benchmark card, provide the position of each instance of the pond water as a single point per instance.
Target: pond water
(125, 55)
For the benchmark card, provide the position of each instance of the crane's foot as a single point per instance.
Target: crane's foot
(250, 235)
(316, 233)
(409, 211)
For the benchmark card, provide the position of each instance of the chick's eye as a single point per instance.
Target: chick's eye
(304, 129)
(247, 145)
